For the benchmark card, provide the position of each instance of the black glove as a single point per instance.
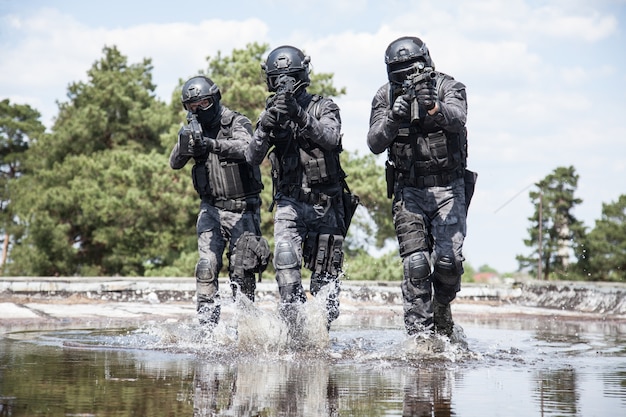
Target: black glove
(287, 104)
(198, 148)
(401, 107)
(211, 144)
(269, 119)
(427, 95)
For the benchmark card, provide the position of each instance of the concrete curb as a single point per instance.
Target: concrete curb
(58, 302)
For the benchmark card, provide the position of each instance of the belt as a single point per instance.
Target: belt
(237, 206)
(434, 180)
(306, 195)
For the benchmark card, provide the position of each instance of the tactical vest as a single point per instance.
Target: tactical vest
(301, 168)
(426, 159)
(220, 178)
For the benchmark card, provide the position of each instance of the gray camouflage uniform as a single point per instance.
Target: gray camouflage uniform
(223, 220)
(309, 218)
(426, 162)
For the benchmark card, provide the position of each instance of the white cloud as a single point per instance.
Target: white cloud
(554, 22)
(534, 103)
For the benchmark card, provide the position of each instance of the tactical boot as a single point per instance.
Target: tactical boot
(291, 315)
(442, 317)
(208, 314)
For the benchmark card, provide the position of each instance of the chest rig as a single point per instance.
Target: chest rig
(226, 182)
(424, 155)
(300, 168)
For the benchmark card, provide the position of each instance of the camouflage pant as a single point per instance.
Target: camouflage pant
(217, 228)
(439, 214)
(294, 223)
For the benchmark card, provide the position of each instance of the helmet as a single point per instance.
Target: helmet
(404, 56)
(198, 89)
(287, 60)
(201, 96)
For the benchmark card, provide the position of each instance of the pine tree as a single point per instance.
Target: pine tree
(555, 234)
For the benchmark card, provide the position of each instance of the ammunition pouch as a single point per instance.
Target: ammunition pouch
(251, 254)
(323, 254)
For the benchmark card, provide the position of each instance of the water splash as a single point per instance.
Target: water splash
(245, 329)
(259, 330)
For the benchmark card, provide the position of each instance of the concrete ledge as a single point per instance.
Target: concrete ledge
(27, 302)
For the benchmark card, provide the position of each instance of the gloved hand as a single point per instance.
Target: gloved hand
(401, 107)
(269, 119)
(287, 104)
(198, 148)
(427, 95)
(211, 144)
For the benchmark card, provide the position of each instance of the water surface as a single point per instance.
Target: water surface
(251, 365)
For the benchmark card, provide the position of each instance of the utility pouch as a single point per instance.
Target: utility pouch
(200, 179)
(470, 185)
(309, 250)
(390, 174)
(350, 204)
(275, 172)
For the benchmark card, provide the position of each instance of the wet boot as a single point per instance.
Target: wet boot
(442, 317)
(318, 281)
(247, 286)
(290, 313)
(207, 287)
(208, 314)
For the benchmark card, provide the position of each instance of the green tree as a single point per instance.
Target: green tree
(555, 234)
(19, 126)
(97, 196)
(604, 256)
(243, 88)
(366, 179)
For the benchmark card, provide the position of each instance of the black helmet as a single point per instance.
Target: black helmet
(200, 88)
(404, 56)
(202, 96)
(287, 60)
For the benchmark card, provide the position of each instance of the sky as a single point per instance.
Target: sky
(545, 79)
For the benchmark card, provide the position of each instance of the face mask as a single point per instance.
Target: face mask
(208, 117)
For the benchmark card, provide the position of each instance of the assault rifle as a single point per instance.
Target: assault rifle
(187, 142)
(286, 86)
(411, 85)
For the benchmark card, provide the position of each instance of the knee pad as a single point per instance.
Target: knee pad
(447, 270)
(285, 256)
(417, 268)
(204, 272)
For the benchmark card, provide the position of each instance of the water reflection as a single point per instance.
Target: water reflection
(316, 388)
(252, 388)
(170, 369)
(556, 391)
